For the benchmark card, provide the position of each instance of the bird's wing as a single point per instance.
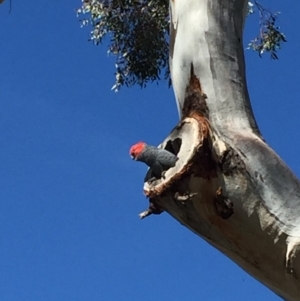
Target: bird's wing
(166, 158)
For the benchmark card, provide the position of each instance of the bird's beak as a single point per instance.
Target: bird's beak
(132, 157)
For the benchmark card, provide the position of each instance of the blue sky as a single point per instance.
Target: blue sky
(70, 194)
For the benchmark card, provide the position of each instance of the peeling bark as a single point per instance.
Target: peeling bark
(228, 186)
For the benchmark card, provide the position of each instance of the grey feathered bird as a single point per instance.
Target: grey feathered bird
(158, 159)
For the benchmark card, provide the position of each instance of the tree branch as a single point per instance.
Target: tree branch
(244, 200)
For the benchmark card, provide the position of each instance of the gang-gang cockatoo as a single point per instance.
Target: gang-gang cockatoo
(159, 160)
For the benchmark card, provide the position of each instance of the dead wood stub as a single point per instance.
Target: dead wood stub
(201, 165)
(187, 196)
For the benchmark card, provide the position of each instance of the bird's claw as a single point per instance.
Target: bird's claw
(150, 181)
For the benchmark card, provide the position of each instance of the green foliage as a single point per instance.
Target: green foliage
(269, 38)
(138, 31)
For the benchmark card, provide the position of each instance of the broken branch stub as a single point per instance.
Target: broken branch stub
(189, 135)
(195, 175)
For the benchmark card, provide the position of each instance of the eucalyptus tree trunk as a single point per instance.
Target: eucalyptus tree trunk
(228, 186)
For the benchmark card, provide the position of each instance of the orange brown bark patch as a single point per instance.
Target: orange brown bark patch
(195, 98)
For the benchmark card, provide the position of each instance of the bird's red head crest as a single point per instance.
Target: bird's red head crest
(136, 149)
